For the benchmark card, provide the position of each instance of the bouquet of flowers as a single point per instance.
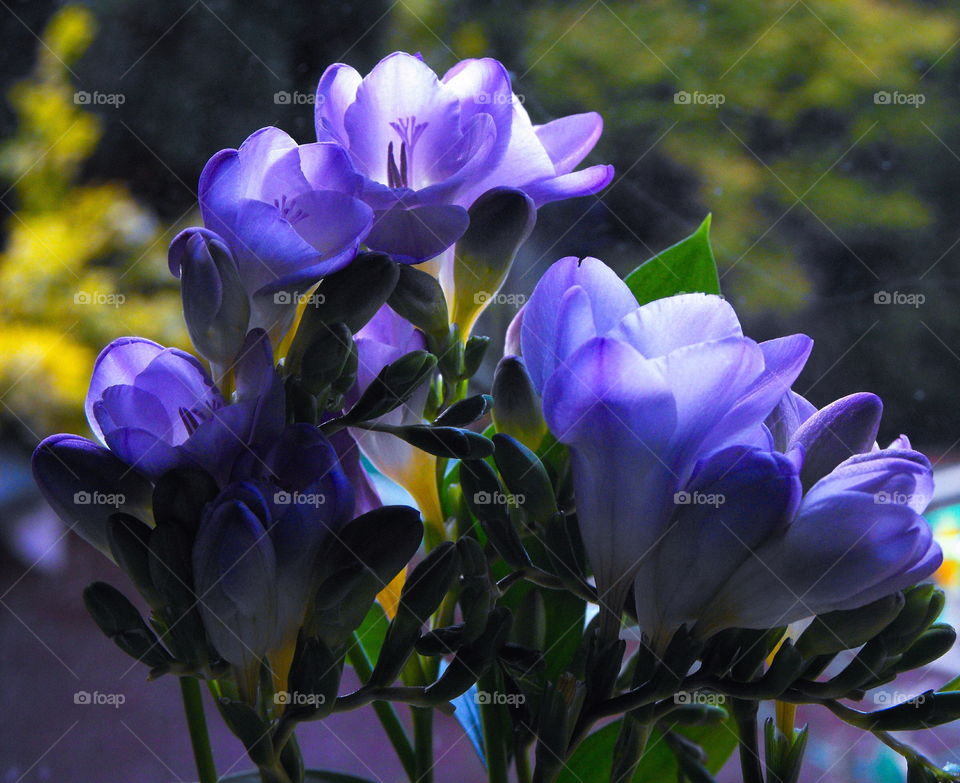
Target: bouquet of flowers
(637, 537)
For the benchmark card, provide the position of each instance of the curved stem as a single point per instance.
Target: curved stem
(197, 726)
(385, 712)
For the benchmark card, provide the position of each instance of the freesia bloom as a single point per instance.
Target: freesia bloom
(384, 339)
(427, 147)
(257, 545)
(288, 214)
(640, 394)
(155, 409)
(676, 423)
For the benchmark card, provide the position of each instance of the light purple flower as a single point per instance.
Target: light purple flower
(680, 490)
(428, 147)
(640, 394)
(157, 408)
(288, 213)
(384, 339)
(255, 555)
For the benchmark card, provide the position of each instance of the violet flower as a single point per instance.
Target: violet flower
(288, 214)
(427, 147)
(156, 409)
(673, 419)
(384, 339)
(256, 549)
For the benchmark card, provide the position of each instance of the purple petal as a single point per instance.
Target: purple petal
(483, 87)
(609, 297)
(270, 167)
(568, 140)
(119, 363)
(220, 190)
(577, 183)
(616, 412)
(335, 92)
(400, 86)
(78, 478)
(419, 233)
(662, 326)
(784, 359)
(365, 495)
(326, 166)
(146, 451)
(843, 428)
(707, 381)
(890, 476)
(334, 224)
(738, 498)
(235, 574)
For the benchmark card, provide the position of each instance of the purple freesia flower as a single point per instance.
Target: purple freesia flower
(640, 394)
(288, 214)
(428, 147)
(156, 409)
(673, 419)
(257, 545)
(382, 340)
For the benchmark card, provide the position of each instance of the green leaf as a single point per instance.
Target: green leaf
(591, 762)
(686, 267)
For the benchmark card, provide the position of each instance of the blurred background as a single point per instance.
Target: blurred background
(821, 134)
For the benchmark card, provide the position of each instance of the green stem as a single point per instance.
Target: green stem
(521, 759)
(385, 713)
(494, 746)
(423, 743)
(197, 726)
(745, 713)
(629, 748)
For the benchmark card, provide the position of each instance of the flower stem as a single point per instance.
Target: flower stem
(197, 726)
(494, 746)
(385, 712)
(745, 713)
(629, 748)
(423, 743)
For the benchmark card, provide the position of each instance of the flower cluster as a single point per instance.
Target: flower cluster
(638, 453)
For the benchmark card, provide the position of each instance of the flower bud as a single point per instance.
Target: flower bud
(85, 484)
(516, 408)
(235, 576)
(838, 431)
(500, 222)
(216, 306)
